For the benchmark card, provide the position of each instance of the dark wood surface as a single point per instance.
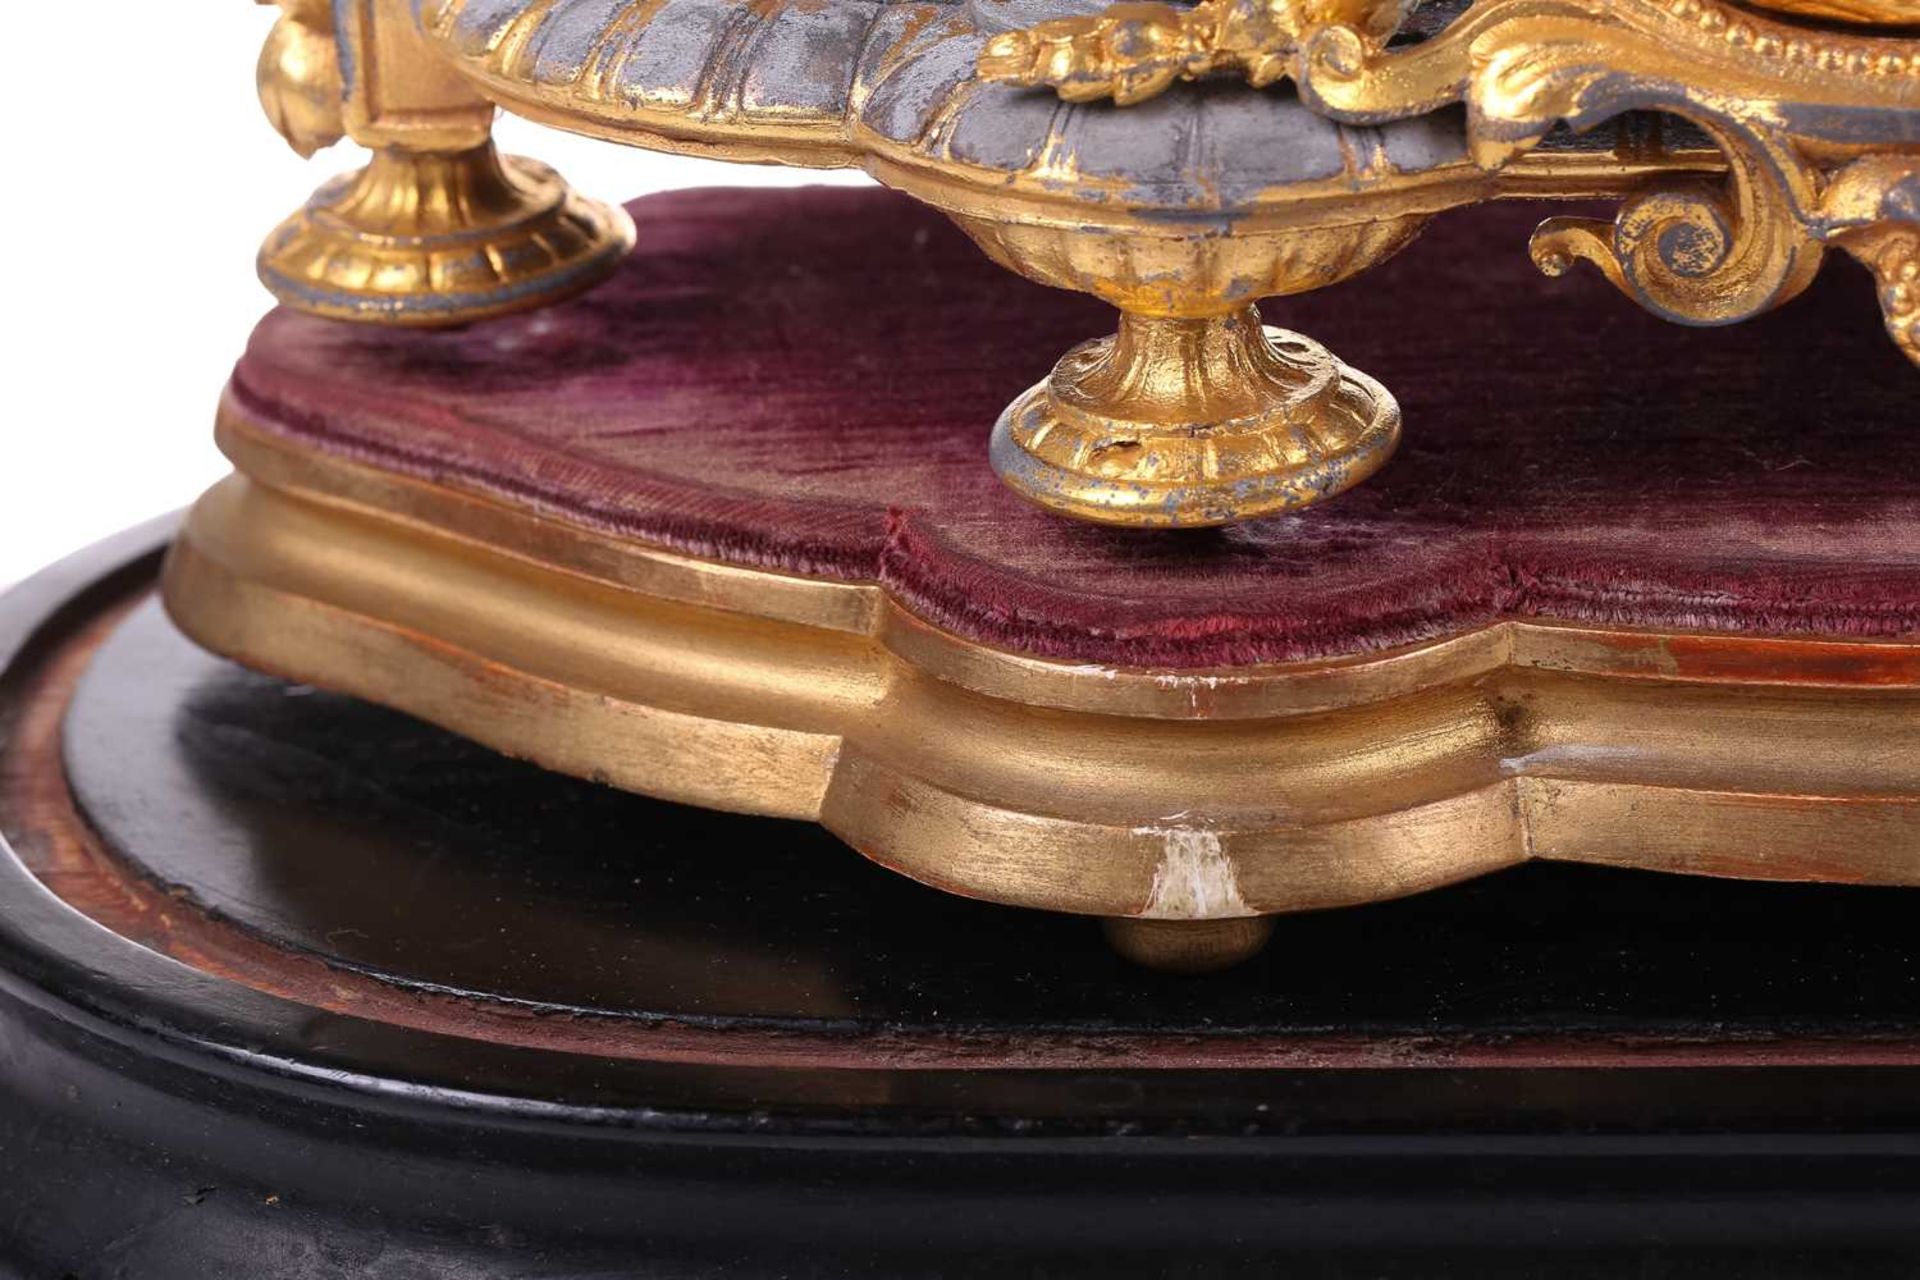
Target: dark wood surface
(202, 1113)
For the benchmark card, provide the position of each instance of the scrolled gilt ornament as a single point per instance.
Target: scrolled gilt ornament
(1135, 50)
(1872, 210)
(1780, 100)
(299, 79)
(1685, 255)
(1893, 255)
(1701, 253)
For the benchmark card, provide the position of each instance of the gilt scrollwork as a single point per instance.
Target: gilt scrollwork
(1893, 255)
(1780, 101)
(1135, 50)
(1871, 209)
(1701, 253)
(1820, 128)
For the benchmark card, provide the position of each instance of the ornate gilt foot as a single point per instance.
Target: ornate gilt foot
(1188, 946)
(1193, 413)
(438, 229)
(1182, 422)
(434, 238)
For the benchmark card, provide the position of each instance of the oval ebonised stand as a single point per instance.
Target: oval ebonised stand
(294, 986)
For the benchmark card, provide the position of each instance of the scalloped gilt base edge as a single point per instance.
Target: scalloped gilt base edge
(1021, 781)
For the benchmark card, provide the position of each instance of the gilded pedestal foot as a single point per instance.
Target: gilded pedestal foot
(1193, 413)
(442, 238)
(1188, 946)
(1186, 422)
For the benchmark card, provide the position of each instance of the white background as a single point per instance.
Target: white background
(141, 177)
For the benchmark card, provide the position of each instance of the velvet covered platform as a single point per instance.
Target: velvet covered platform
(720, 531)
(800, 381)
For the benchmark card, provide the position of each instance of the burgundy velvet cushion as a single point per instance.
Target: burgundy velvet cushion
(805, 379)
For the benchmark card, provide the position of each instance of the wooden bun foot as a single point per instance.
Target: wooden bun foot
(1188, 946)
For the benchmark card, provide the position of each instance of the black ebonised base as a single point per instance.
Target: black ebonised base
(294, 987)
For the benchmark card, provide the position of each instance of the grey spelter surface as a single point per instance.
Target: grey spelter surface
(903, 70)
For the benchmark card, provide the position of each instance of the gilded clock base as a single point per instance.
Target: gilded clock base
(1185, 803)
(697, 569)
(1194, 422)
(442, 238)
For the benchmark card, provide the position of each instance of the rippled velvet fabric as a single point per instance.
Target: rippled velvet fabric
(805, 380)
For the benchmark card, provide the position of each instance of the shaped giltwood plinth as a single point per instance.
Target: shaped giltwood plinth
(664, 541)
(1161, 796)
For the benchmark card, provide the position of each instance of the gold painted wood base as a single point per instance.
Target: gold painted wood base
(1160, 796)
